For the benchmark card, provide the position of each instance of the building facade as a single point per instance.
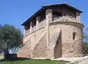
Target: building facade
(54, 31)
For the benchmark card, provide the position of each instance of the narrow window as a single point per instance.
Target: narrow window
(74, 35)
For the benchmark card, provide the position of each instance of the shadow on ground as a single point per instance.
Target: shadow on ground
(15, 59)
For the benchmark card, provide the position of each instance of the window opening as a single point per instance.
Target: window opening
(74, 35)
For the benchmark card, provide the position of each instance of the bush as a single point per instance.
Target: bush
(85, 48)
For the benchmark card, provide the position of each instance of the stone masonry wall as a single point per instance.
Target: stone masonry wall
(70, 47)
(29, 43)
(40, 49)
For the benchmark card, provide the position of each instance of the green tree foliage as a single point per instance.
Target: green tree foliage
(85, 48)
(85, 43)
(10, 37)
(85, 35)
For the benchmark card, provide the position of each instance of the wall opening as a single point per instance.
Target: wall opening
(34, 24)
(74, 35)
(56, 15)
(42, 16)
(27, 27)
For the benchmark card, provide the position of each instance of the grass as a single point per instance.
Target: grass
(32, 61)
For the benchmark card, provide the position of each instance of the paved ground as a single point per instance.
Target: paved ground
(83, 62)
(75, 60)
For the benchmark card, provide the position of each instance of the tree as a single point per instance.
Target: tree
(85, 43)
(10, 37)
(85, 36)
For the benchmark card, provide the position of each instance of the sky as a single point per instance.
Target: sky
(15, 12)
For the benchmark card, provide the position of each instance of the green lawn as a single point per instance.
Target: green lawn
(32, 61)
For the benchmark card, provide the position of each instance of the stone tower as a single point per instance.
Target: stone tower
(52, 32)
